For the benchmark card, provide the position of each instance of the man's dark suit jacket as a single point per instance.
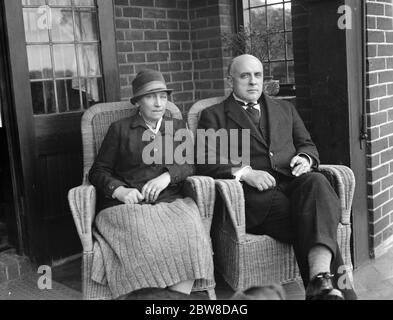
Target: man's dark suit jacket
(119, 161)
(287, 138)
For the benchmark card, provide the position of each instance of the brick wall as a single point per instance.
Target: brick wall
(379, 93)
(155, 34)
(209, 19)
(300, 27)
(180, 38)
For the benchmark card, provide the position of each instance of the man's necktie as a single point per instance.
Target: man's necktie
(253, 113)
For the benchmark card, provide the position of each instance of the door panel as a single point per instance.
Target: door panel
(63, 73)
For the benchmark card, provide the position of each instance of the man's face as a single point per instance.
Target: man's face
(246, 78)
(152, 106)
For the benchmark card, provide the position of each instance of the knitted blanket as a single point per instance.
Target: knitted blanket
(144, 246)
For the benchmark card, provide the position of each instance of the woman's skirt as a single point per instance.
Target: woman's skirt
(146, 246)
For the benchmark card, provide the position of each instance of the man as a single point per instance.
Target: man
(284, 198)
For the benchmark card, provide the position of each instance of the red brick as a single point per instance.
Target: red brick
(172, 66)
(387, 233)
(154, 13)
(142, 3)
(132, 12)
(121, 2)
(373, 160)
(385, 50)
(145, 46)
(386, 103)
(157, 56)
(133, 35)
(187, 86)
(384, 23)
(375, 9)
(165, 3)
(122, 24)
(177, 14)
(387, 208)
(156, 35)
(179, 35)
(181, 76)
(371, 22)
(167, 24)
(376, 91)
(375, 64)
(378, 145)
(140, 67)
(201, 64)
(381, 225)
(210, 53)
(180, 56)
(387, 182)
(124, 47)
(136, 58)
(142, 24)
(375, 36)
(380, 172)
(378, 118)
(374, 188)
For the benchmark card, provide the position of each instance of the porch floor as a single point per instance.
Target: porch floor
(373, 281)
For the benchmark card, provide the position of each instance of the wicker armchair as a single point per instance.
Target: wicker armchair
(246, 260)
(82, 199)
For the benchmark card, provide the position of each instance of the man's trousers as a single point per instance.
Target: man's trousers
(303, 211)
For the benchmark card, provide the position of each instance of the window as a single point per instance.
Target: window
(64, 54)
(271, 21)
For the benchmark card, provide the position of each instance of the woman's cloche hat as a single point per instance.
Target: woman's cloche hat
(148, 81)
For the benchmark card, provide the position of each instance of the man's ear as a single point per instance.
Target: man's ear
(230, 82)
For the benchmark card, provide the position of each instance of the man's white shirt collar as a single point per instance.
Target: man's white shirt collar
(256, 106)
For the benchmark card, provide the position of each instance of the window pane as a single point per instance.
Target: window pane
(275, 18)
(289, 46)
(277, 46)
(86, 24)
(81, 3)
(36, 24)
(258, 19)
(288, 16)
(62, 27)
(254, 3)
(39, 60)
(92, 92)
(33, 2)
(273, 1)
(89, 62)
(279, 71)
(65, 61)
(68, 95)
(59, 2)
(43, 97)
(291, 72)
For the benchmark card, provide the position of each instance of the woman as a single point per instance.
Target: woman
(147, 234)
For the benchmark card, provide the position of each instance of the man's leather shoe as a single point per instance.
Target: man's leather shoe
(321, 288)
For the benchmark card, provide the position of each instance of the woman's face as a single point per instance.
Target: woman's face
(152, 106)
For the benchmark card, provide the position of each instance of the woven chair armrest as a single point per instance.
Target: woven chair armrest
(202, 190)
(82, 201)
(232, 194)
(345, 187)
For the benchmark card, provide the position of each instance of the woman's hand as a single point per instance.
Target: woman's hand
(152, 189)
(128, 195)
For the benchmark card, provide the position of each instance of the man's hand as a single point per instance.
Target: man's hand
(300, 165)
(152, 189)
(128, 195)
(261, 180)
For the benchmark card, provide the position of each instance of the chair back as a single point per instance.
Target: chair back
(196, 109)
(96, 121)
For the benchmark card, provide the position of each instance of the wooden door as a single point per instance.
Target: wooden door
(63, 61)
